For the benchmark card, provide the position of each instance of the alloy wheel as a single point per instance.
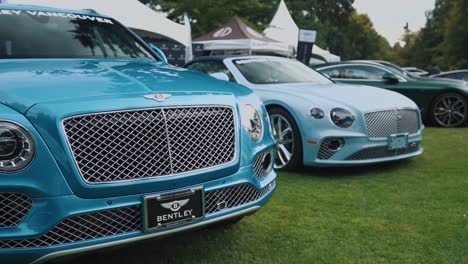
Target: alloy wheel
(450, 110)
(284, 136)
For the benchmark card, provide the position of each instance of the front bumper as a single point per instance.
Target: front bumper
(360, 150)
(54, 226)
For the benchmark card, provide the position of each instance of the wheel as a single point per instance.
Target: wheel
(288, 140)
(449, 110)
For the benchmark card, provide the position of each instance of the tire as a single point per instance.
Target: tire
(449, 110)
(289, 143)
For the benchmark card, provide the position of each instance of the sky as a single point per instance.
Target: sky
(390, 16)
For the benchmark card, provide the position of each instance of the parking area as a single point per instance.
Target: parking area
(413, 211)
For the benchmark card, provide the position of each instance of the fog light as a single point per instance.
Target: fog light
(335, 144)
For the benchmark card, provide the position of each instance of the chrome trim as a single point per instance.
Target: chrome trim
(236, 140)
(148, 236)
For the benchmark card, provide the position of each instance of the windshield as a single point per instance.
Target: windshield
(272, 70)
(36, 34)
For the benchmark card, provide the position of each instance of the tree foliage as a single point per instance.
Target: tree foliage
(340, 28)
(442, 41)
(209, 14)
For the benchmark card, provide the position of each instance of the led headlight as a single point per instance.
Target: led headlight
(17, 147)
(341, 117)
(252, 122)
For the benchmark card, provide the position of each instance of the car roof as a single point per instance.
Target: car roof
(50, 9)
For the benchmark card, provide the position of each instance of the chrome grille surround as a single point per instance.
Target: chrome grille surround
(382, 124)
(84, 227)
(258, 164)
(13, 209)
(146, 143)
(381, 152)
(234, 196)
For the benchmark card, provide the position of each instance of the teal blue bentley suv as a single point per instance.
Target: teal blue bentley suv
(102, 142)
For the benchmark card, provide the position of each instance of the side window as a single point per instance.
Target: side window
(362, 73)
(464, 76)
(209, 67)
(332, 72)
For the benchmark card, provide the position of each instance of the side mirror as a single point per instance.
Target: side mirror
(159, 52)
(220, 76)
(390, 78)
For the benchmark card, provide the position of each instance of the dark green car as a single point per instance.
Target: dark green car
(442, 102)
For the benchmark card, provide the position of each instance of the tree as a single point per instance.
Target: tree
(455, 45)
(209, 14)
(340, 29)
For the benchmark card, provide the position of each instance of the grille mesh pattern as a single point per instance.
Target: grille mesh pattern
(383, 152)
(258, 164)
(324, 152)
(131, 145)
(129, 219)
(382, 124)
(84, 227)
(234, 196)
(13, 208)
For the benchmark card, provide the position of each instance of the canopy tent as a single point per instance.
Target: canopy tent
(283, 28)
(131, 13)
(237, 35)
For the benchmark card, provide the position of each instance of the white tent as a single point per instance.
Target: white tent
(283, 28)
(131, 13)
(236, 35)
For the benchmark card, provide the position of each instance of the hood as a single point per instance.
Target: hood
(359, 97)
(25, 83)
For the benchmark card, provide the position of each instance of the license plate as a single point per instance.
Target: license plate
(399, 141)
(167, 210)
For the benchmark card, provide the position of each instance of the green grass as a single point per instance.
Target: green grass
(413, 211)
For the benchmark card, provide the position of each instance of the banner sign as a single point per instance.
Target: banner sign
(306, 43)
(307, 36)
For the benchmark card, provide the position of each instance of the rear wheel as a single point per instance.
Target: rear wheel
(449, 110)
(288, 140)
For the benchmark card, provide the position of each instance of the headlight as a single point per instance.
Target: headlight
(17, 147)
(341, 117)
(252, 122)
(317, 113)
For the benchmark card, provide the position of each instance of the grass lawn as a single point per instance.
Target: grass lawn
(413, 211)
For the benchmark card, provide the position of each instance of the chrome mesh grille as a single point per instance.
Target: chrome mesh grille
(382, 124)
(138, 144)
(383, 152)
(234, 196)
(84, 227)
(129, 219)
(13, 208)
(258, 164)
(324, 153)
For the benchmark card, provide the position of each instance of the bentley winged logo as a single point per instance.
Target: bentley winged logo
(158, 97)
(175, 206)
